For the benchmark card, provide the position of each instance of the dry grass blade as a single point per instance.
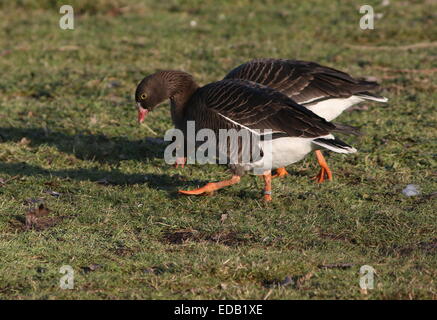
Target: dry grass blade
(426, 71)
(419, 45)
(301, 281)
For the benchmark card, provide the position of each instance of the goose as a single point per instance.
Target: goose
(325, 91)
(241, 105)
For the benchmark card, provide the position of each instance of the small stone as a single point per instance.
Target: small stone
(224, 216)
(93, 120)
(114, 84)
(53, 193)
(24, 141)
(287, 282)
(411, 190)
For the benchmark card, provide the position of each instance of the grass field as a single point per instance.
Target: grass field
(69, 137)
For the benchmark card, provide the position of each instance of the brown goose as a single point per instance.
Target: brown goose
(325, 91)
(240, 104)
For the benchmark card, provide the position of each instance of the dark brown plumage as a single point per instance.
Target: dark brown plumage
(253, 106)
(245, 103)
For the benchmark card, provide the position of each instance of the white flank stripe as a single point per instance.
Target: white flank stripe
(309, 101)
(247, 128)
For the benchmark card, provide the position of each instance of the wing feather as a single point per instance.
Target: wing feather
(304, 82)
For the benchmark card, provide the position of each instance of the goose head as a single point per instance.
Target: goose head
(178, 86)
(150, 92)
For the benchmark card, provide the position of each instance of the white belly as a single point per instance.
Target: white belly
(332, 108)
(282, 152)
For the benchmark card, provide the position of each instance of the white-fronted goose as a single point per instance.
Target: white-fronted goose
(325, 91)
(240, 104)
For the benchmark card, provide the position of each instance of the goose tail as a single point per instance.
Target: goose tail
(334, 144)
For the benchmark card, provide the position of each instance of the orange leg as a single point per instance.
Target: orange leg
(267, 176)
(324, 172)
(212, 186)
(180, 161)
(280, 173)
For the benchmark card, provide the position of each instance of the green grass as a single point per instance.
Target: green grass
(151, 243)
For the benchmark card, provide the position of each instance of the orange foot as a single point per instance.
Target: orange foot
(180, 161)
(325, 172)
(212, 186)
(322, 175)
(280, 173)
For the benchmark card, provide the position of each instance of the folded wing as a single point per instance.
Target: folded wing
(304, 82)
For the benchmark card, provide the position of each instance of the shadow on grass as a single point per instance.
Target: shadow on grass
(87, 146)
(91, 147)
(111, 178)
(99, 148)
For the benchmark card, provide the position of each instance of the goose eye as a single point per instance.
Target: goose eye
(143, 96)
